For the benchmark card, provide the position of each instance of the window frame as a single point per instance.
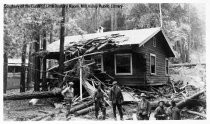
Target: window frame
(153, 55)
(131, 64)
(166, 59)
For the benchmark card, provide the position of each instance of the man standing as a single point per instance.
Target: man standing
(173, 112)
(68, 94)
(160, 112)
(117, 98)
(143, 108)
(99, 102)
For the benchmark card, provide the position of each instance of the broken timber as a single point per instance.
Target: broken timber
(81, 106)
(68, 61)
(85, 111)
(38, 95)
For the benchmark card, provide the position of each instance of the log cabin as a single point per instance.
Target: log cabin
(138, 57)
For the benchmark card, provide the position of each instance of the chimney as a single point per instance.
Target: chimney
(100, 29)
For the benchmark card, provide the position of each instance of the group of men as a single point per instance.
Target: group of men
(116, 98)
(160, 113)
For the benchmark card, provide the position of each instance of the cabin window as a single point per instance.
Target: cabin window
(14, 69)
(152, 63)
(154, 41)
(123, 64)
(166, 65)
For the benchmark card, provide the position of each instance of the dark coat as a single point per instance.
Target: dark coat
(174, 113)
(116, 95)
(145, 110)
(98, 96)
(160, 113)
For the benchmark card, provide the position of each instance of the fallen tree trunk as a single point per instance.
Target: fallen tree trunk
(189, 100)
(85, 111)
(38, 95)
(196, 113)
(81, 106)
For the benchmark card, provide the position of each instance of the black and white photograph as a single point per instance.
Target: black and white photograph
(104, 61)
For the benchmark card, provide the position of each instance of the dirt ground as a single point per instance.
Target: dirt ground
(20, 110)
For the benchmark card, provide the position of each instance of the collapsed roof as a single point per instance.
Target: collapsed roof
(127, 37)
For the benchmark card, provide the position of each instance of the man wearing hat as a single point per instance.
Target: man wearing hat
(160, 111)
(173, 111)
(68, 94)
(99, 102)
(117, 98)
(143, 108)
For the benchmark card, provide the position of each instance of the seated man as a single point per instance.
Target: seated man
(160, 112)
(173, 112)
(143, 109)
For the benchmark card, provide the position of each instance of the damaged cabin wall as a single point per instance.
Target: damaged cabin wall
(138, 63)
(161, 54)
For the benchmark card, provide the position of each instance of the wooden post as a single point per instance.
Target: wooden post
(81, 79)
(61, 58)
(5, 71)
(23, 71)
(44, 82)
